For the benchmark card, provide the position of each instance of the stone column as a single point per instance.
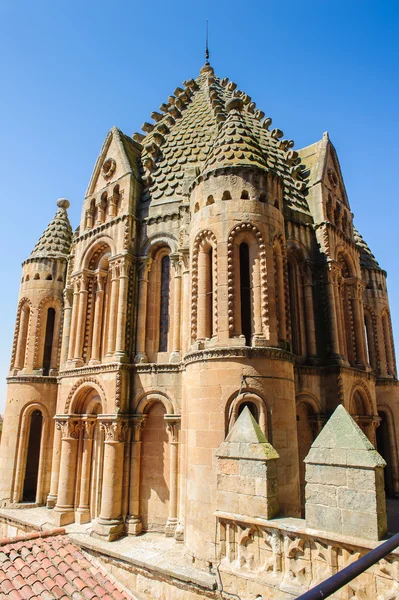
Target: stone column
(358, 321)
(64, 509)
(172, 425)
(134, 525)
(81, 320)
(186, 308)
(82, 514)
(109, 525)
(97, 319)
(144, 267)
(256, 300)
(281, 295)
(74, 315)
(66, 330)
(307, 282)
(20, 354)
(176, 341)
(120, 347)
(112, 309)
(55, 469)
(332, 310)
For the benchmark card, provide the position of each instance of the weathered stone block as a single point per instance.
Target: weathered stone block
(317, 517)
(357, 500)
(325, 495)
(322, 474)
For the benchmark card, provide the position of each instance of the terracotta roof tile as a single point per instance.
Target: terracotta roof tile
(49, 567)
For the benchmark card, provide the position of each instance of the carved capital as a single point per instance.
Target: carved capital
(88, 427)
(172, 427)
(138, 423)
(69, 427)
(176, 260)
(306, 272)
(144, 264)
(115, 431)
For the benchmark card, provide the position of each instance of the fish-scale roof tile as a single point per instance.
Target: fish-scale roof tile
(55, 242)
(367, 258)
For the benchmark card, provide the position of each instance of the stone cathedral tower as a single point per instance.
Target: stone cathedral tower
(214, 268)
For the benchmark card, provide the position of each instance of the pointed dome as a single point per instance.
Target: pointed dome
(234, 145)
(187, 131)
(56, 240)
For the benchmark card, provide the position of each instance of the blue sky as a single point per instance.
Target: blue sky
(70, 70)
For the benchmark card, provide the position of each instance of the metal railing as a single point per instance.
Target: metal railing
(337, 581)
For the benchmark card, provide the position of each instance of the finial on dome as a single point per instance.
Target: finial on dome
(234, 103)
(206, 46)
(63, 203)
(326, 136)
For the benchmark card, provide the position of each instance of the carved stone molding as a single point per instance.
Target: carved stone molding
(137, 425)
(238, 352)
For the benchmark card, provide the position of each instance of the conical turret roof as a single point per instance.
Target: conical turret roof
(55, 242)
(235, 145)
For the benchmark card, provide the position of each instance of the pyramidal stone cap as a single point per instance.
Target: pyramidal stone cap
(56, 240)
(246, 440)
(342, 442)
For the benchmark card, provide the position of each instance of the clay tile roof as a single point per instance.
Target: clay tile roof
(27, 570)
(367, 258)
(56, 240)
(195, 129)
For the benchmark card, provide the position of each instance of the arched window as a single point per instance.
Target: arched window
(29, 493)
(205, 292)
(257, 407)
(245, 294)
(24, 317)
(159, 315)
(48, 341)
(164, 304)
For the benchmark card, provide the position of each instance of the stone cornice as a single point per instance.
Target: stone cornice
(94, 370)
(238, 352)
(387, 382)
(31, 379)
(157, 367)
(331, 369)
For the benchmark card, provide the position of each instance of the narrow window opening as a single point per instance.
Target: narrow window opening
(244, 195)
(276, 204)
(164, 305)
(210, 201)
(49, 277)
(245, 290)
(48, 341)
(196, 207)
(262, 198)
(32, 460)
(37, 276)
(226, 195)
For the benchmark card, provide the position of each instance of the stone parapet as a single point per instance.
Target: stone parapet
(280, 559)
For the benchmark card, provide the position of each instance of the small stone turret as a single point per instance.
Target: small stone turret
(39, 316)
